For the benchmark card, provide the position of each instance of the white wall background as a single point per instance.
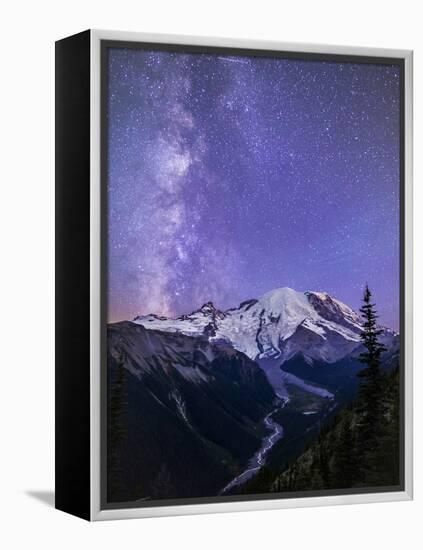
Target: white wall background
(27, 36)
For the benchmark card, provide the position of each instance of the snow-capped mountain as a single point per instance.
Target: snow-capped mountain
(209, 381)
(280, 324)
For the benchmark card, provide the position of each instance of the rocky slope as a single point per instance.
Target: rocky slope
(178, 407)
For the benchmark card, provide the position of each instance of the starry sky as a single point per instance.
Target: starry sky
(229, 176)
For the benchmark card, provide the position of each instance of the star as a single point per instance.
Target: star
(231, 175)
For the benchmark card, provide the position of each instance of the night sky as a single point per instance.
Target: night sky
(231, 176)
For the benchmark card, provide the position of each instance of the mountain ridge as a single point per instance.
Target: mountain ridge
(279, 324)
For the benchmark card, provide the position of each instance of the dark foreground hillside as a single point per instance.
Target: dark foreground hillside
(184, 415)
(341, 459)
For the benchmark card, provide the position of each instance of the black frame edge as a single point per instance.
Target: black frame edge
(72, 361)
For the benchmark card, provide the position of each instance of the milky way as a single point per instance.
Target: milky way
(230, 176)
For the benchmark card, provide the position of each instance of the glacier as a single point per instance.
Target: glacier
(278, 325)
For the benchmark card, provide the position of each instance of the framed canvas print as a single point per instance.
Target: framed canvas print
(234, 300)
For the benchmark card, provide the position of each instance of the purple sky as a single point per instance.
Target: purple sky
(231, 176)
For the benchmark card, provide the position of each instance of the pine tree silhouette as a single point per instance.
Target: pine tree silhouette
(116, 432)
(345, 464)
(371, 388)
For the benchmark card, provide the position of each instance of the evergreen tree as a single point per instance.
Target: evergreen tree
(369, 337)
(371, 389)
(345, 464)
(324, 462)
(391, 437)
(116, 432)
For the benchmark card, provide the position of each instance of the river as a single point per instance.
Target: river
(259, 459)
(278, 379)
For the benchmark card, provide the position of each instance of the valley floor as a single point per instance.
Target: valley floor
(305, 406)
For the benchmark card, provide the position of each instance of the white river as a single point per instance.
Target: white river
(259, 459)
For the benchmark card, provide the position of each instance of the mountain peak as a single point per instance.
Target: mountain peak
(332, 309)
(208, 306)
(288, 302)
(281, 291)
(279, 324)
(208, 309)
